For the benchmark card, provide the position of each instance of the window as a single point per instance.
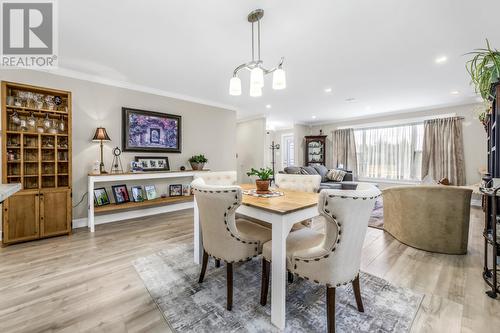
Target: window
(393, 153)
(288, 150)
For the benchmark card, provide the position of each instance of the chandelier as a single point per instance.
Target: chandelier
(256, 68)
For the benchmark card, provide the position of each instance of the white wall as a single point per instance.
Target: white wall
(473, 132)
(205, 129)
(251, 147)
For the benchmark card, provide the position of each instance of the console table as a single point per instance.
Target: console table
(145, 208)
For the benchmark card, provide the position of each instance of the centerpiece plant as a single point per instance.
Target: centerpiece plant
(264, 177)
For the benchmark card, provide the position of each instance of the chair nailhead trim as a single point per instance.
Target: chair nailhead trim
(226, 213)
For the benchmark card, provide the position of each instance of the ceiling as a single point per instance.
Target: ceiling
(382, 53)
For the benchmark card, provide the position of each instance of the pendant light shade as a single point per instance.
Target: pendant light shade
(279, 79)
(235, 86)
(255, 91)
(257, 77)
(256, 65)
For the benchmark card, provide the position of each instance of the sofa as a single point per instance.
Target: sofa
(431, 218)
(346, 184)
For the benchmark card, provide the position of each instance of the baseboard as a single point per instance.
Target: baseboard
(132, 214)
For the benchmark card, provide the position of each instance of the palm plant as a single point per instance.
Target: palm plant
(484, 69)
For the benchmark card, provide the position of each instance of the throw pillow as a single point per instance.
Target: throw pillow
(292, 170)
(336, 175)
(322, 170)
(308, 170)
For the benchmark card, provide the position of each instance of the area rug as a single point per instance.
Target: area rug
(377, 217)
(171, 278)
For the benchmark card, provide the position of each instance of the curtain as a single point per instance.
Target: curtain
(390, 152)
(443, 151)
(344, 150)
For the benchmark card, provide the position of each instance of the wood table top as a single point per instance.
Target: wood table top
(290, 202)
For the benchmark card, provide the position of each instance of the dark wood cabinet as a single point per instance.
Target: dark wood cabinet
(315, 149)
(491, 202)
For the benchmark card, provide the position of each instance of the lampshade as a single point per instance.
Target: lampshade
(235, 86)
(255, 91)
(100, 134)
(257, 77)
(279, 79)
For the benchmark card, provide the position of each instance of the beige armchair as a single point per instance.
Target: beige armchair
(431, 218)
(224, 237)
(332, 259)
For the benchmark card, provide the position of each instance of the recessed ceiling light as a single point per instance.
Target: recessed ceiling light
(441, 59)
(268, 106)
(455, 92)
(368, 108)
(328, 90)
(350, 100)
(313, 117)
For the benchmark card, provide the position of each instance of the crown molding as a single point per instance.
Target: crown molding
(132, 86)
(393, 113)
(250, 118)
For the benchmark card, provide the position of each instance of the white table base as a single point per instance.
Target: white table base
(281, 226)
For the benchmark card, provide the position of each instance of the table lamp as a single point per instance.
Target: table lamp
(101, 136)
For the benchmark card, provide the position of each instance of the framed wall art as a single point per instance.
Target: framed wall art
(149, 131)
(152, 163)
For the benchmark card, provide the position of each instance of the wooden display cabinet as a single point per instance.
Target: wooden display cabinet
(315, 149)
(36, 152)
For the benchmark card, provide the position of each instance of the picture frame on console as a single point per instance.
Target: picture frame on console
(120, 193)
(150, 192)
(101, 197)
(137, 193)
(175, 190)
(149, 131)
(153, 163)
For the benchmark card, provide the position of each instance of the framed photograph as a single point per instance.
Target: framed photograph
(137, 193)
(150, 192)
(175, 190)
(101, 196)
(150, 131)
(153, 163)
(120, 193)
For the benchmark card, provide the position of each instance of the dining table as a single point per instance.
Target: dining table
(281, 213)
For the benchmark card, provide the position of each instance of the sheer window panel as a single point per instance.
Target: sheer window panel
(393, 153)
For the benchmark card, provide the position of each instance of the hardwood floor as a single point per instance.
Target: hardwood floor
(86, 282)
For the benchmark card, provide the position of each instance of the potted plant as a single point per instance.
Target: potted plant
(198, 162)
(483, 113)
(484, 70)
(264, 177)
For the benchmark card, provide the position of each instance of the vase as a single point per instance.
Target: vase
(197, 166)
(262, 186)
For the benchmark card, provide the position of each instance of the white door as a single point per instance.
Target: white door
(288, 152)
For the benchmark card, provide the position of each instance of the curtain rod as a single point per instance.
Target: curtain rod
(400, 122)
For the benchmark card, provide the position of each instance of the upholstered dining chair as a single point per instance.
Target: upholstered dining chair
(224, 237)
(333, 258)
(302, 183)
(217, 177)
